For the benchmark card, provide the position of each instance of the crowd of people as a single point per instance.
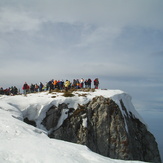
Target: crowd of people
(60, 84)
(51, 85)
(9, 91)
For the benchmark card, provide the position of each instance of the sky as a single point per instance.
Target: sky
(120, 42)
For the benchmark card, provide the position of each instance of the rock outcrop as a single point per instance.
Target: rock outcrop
(102, 127)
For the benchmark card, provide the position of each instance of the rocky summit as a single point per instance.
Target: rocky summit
(109, 126)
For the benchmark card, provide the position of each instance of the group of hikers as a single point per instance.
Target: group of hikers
(9, 91)
(59, 84)
(51, 85)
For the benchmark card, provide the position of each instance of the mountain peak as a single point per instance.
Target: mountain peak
(103, 120)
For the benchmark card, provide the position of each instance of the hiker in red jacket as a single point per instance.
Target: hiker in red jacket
(96, 83)
(25, 88)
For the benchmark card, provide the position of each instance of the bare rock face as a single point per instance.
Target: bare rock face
(53, 115)
(101, 126)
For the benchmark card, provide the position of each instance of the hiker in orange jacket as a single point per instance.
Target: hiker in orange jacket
(55, 84)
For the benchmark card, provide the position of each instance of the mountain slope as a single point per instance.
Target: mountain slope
(24, 143)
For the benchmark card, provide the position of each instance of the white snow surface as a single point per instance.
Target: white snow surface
(23, 143)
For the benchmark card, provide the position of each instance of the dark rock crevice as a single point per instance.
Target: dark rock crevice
(30, 122)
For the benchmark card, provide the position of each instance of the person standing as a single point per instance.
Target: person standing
(81, 83)
(25, 88)
(67, 85)
(96, 83)
(89, 83)
(86, 83)
(50, 85)
(40, 87)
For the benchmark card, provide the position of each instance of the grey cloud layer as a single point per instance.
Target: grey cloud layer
(28, 14)
(116, 40)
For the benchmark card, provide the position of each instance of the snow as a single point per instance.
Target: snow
(22, 143)
(84, 124)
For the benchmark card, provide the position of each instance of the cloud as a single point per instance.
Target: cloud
(91, 48)
(114, 40)
(28, 15)
(12, 19)
(157, 54)
(140, 13)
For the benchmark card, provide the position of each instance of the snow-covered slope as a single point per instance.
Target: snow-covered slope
(34, 106)
(22, 143)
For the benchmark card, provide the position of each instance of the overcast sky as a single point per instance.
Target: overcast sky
(121, 42)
